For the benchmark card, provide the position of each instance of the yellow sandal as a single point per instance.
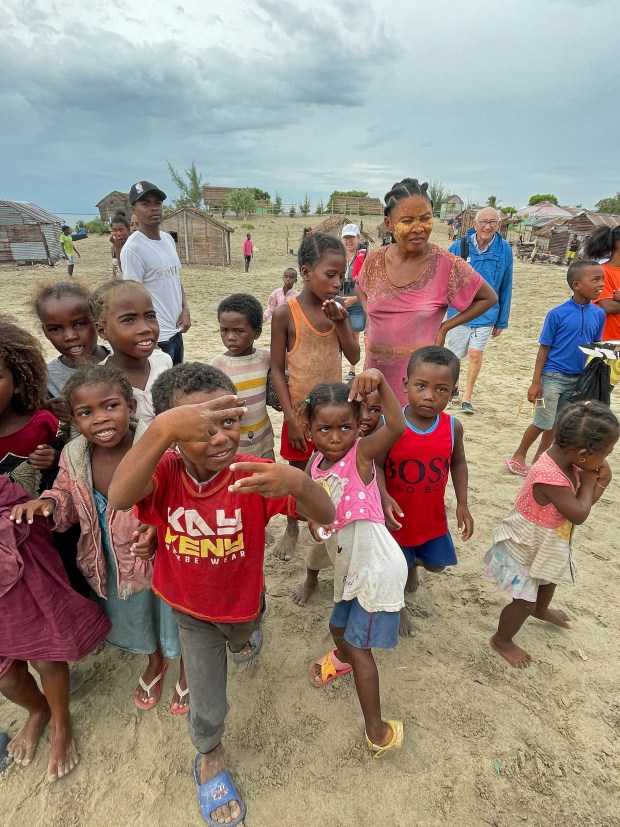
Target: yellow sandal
(395, 742)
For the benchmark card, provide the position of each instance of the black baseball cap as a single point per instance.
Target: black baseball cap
(141, 188)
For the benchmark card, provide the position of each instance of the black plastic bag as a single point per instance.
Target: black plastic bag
(594, 384)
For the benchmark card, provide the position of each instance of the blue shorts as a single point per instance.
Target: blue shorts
(438, 552)
(365, 630)
(357, 317)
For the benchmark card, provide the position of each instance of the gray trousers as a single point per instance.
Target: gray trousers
(203, 646)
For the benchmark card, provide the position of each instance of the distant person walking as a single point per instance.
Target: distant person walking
(66, 242)
(150, 256)
(491, 256)
(248, 251)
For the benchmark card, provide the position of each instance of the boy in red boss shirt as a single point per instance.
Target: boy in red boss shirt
(211, 514)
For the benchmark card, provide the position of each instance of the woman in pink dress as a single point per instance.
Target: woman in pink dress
(406, 287)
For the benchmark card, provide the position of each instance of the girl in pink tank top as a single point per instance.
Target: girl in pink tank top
(531, 553)
(369, 569)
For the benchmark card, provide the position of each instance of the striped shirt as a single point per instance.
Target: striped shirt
(249, 373)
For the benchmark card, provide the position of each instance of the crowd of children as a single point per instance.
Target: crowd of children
(166, 475)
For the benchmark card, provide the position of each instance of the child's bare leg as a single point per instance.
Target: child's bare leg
(366, 677)
(285, 547)
(55, 682)
(153, 669)
(413, 580)
(511, 619)
(543, 612)
(302, 593)
(532, 432)
(546, 441)
(19, 686)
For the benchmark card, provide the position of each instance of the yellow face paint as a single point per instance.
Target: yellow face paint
(411, 221)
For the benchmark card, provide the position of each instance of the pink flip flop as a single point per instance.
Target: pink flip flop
(155, 686)
(517, 468)
(331, 668)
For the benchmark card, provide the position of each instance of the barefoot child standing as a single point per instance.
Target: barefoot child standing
(211, 516)
(308, 336)
(531, 553)
(369, 569)
(419, 464)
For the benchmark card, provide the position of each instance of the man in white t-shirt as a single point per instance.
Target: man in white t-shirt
(150, 256)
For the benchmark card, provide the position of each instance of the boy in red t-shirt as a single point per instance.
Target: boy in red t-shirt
(418, 465)
(211, 514)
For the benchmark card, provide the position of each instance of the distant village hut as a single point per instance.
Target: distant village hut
(200, 238)
(28, 234)
(113, 202)
(581, 226)
(334, 224)
(450, 207)
(216, 200)
(351, 205)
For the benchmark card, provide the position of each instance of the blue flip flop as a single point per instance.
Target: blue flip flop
(5, 758)
(216, 791)
(256, 642)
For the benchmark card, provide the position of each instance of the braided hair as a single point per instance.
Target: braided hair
(314, 247)
(334, 393)
(603, 242)
(405, 189)
(590, 425)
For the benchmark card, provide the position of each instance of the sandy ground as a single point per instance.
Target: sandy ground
(485, 744)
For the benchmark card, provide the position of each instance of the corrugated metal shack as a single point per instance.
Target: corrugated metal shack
(28, 234)
(112, 203)
(554, 236)
(200, 238)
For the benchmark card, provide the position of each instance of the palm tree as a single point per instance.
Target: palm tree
(492, 201)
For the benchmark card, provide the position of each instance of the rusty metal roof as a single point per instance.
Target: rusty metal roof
(26, 210)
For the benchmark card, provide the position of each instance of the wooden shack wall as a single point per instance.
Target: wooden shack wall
(112, 204)
(558, 241)
(206, 243)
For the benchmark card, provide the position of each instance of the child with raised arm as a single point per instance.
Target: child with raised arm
(531, 552)
(126, 318)
(102, 407)
(240, 318)
(283, 294)
(210, 506)
(418, 465)
(559, 362)
(308, 336)
(369, 569)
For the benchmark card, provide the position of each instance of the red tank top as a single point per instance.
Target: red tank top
(416, 475)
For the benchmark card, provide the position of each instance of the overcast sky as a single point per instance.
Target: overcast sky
(489, 97)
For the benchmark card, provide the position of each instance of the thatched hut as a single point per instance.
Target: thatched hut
(352, 205)
(111, 203)
(200, 238)
(28, 234)
(468, 216)
(333, 226)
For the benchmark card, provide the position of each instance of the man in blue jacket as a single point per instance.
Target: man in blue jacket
(491, 256)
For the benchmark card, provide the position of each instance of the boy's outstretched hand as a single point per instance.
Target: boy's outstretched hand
(197, 423)
(32, 509)
(464, 521)
(269, 479)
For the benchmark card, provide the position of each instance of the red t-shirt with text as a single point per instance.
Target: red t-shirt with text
(209, 563)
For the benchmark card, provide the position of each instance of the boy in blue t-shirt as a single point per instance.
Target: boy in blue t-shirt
(559, 362)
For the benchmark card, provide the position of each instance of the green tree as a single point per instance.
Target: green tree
(331, 205)
(320, 209)
(277, 204)
(492, 202)
(190, 186)
(609, 205)
(261, 195)
(304, 207)
(242, 202)
(437, 193)
(536, 199)
(223, 207)
(508, 210)
(292, 212)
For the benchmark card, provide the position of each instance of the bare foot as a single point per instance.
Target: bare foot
(382, 735)
(212, 764)
(63, 757)
(285, 547)
(555, 616)
(413, 580)
(405, 628)
(179, 704)
(23, 747)
(515, 655)
(154, 668)
(269, 538)
(302, 593)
